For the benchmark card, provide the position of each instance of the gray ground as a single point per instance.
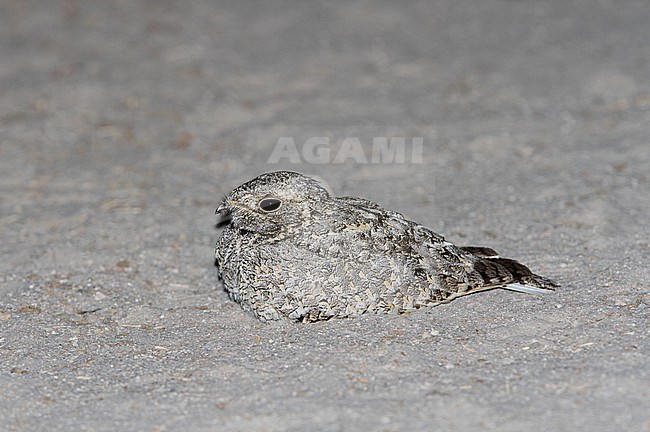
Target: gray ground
(122, 123)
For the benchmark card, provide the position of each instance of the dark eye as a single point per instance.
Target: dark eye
(270, 204)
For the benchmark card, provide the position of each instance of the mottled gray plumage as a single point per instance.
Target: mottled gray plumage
(293, 250)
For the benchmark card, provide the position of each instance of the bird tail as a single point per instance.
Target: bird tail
(507, 273)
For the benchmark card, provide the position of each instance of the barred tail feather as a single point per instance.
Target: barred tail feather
(512, 275)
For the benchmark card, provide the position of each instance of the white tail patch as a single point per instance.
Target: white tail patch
(526, 289)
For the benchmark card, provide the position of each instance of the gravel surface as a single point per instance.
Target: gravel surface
(122, 123)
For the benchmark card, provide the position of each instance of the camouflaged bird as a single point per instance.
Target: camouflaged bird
(292, 250)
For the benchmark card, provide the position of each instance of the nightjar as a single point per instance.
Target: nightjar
(292, 250)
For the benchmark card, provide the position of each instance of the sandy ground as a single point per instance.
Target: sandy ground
(122, 123)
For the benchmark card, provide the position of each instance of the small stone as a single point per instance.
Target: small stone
(29, 309)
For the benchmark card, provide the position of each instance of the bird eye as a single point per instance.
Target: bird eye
(270, 204)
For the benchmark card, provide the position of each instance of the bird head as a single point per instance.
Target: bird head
(273, 202)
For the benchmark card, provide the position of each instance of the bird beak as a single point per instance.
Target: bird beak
(222, 209)
(225, 215)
